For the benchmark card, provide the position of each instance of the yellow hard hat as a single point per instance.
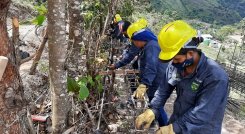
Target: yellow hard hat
(136, 26)
(118, 18)
(173, 37)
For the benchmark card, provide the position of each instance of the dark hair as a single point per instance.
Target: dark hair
(164, 61)
(194, 42)
(126, 25)
(183, 51)
(197, 40)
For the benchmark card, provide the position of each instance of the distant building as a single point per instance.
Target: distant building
(207, 38)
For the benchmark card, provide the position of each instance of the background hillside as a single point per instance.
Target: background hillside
(211, 11)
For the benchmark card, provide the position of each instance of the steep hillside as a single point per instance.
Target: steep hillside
(212, 11)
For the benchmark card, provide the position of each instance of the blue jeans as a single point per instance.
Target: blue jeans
(163, 117)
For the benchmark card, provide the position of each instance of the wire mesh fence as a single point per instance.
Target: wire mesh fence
(232, 60)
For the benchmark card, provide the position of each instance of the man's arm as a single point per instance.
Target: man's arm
(163, 92)
(133, 51)
(150, 71)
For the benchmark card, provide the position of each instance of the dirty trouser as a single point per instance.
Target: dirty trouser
(163, 118)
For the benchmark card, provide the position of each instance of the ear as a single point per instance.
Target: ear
(190, 54)
(143, 43)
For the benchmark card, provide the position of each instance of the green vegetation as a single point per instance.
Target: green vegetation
(209, 52)
(126, 9)
(219, 11)
(41, 17)
(207, 20)
(82, 85)
(223, 32)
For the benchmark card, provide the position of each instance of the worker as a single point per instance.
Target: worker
(117, 28)
(200, 83)
(151, 69)
(133, 51)
(119, 31)
(129, 56)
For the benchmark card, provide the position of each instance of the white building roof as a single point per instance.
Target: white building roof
(207, 36)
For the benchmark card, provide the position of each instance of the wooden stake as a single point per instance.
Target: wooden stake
(16, 39)
(3, 64)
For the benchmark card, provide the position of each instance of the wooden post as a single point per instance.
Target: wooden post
(218, 54)
(3, 64)
(233, 54)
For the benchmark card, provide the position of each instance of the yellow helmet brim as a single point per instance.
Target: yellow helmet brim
(167, 55)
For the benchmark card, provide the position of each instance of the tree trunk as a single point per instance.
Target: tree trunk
(75, 36)
(57, 57)
(11, 90)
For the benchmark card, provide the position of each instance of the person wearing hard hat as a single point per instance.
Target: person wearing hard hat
(151, 69)
(133, 51)
(118, 27)
(130, 56)
(200, 83)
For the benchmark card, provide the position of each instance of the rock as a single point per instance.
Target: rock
(111, 116)
(113, 127)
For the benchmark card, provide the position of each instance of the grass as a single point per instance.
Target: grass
(209, 51)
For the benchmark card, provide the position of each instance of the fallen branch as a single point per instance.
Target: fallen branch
(38, 54)
(89, 113)
(101, 109)
(70, 130)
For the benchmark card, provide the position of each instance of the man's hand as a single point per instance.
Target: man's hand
(140, 91)
(166, 130)
(112, 67)
(145, 119)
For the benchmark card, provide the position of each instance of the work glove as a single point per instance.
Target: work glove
(112, 67)
(140, 91)
(166, 130)
(145, 119)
